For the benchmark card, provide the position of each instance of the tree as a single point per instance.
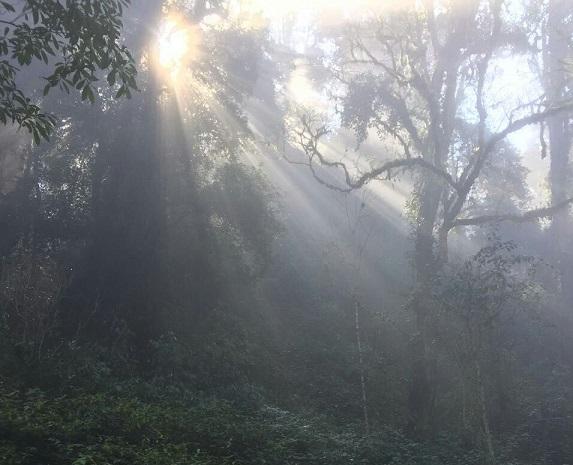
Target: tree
(557, 50)
(478, 305)
(146, 201)
(420, 79)
(75, 41)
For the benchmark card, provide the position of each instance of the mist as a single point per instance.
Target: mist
(267, 232)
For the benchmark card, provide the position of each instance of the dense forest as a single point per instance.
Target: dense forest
(247, 232)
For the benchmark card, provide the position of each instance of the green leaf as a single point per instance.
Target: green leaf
(111, 78)
(87, 93)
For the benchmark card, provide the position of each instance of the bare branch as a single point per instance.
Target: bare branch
(387, 168)
(539, 213)
(308, 139)
(472, 171)
(526, 121)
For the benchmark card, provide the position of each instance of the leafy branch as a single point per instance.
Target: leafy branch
(85, 39)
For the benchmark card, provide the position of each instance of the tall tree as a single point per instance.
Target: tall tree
(162, 167)
(421, 79)
(557, 53)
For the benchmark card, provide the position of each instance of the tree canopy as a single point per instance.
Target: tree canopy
(77, 41)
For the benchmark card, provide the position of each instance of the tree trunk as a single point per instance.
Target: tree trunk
(484, 417)
(557, 51)
(122, 267)
(364, 397)
(422, 394)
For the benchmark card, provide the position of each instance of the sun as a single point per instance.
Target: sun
(173, 44)
(178, 44)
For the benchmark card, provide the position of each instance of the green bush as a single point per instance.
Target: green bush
(144, 423)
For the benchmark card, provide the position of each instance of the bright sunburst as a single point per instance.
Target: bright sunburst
(178, 44)
(173, 44)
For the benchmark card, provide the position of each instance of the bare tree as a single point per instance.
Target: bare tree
(30, 291)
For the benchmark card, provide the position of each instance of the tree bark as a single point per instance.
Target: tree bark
(364, 396)
(421, 395)
(560, 135)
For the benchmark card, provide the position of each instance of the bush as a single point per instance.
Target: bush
(145, 423)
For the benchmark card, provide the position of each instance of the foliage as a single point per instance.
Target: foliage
(484, 311)
(30, 289)
(135, 422)
(84, 38)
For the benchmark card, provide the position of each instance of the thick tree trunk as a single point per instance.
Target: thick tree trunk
(422, 394)
(560, 134)
(120, 281)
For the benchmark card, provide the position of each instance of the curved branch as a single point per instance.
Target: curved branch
(539, 213)
(308, 140)
(473, 170)
(403, 163)
(526, 121)
(386, 168)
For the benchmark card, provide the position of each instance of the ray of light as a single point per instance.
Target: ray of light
(310, 205)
